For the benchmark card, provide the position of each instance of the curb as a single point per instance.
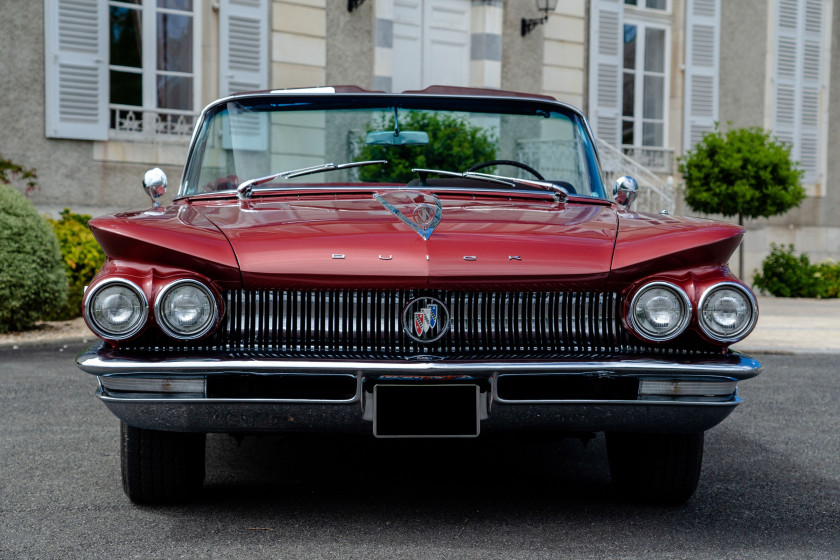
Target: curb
(63, 343)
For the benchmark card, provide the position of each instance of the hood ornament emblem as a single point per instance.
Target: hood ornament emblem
(421, 212)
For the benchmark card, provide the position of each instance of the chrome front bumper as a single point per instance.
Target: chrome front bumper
(182, 393)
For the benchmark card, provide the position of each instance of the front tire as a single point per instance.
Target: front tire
(161, 467)
(655, 468)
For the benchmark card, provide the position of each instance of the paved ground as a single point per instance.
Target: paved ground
(770, 487)
(798, 326)
(785, 325)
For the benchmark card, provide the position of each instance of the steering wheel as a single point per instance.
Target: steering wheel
(518, 164)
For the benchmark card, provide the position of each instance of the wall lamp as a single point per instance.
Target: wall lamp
(353, 4)
(546, 6)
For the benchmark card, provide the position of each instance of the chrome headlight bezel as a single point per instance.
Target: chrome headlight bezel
(166, 325)
(747, 327)
(680, 296)
(96, 326)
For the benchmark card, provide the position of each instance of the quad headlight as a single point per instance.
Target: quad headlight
(727, 312)
(660, 311)
(116, 309)
(186, 309)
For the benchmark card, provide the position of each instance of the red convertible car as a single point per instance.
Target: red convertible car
(439, 263)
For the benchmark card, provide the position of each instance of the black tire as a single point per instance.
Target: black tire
(655, 468)
(161, 467)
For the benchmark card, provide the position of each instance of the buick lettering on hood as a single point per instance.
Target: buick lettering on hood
(445, 263)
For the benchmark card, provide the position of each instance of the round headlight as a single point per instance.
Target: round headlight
(660, 311)
(116, 309)
(186, 309)
(728, 312)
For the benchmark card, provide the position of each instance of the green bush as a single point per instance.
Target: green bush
(783, 274)
(83, 257)
(454, 145)
(32, 278)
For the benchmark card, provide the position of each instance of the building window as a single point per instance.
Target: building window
(649, 4)
(151, 68)
(644, 83)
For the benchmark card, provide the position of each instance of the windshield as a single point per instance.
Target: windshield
(275, 141)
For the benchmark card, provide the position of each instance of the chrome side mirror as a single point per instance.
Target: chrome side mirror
(625, 191)
(154, 183)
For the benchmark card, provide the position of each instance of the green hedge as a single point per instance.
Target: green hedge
(83, 257)
(32, 278)
(783, 274)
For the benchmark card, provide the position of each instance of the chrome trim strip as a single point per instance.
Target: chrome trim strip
(211, 416)
(96, 363)
(106, 396)
(734, 401)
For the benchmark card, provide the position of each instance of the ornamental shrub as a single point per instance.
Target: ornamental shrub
(744, 172)
(82, 256)
(454, 145)
(783, 274)
(32, 278)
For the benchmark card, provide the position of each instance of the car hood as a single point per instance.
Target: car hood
(374, 240)
(355, 241)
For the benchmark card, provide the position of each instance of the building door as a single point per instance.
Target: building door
(431, 43)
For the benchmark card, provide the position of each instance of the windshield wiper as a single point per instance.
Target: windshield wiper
(245, 188)
(559, 192)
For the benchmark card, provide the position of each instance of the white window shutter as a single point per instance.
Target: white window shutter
(76, 77)
(702, 69)
(605, 75)
(798, 82)
(243, 49)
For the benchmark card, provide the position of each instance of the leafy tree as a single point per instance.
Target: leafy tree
(454, 145)
(743, 172)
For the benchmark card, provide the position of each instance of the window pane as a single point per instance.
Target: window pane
(175, 92)
(126, 88)
(654, 97)
(627, 133)
(652, 134)
(125, 37)
(654, 50)
(185, 5)
(630, 2)
(629, 94)
(630, 32)
(174, 43)
(657, 4)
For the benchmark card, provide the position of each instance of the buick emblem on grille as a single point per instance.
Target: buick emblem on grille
(425, 319)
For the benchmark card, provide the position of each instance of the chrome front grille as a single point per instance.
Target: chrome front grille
(369, 323)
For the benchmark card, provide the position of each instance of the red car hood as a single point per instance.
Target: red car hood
(355, 241)
(492, 242)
